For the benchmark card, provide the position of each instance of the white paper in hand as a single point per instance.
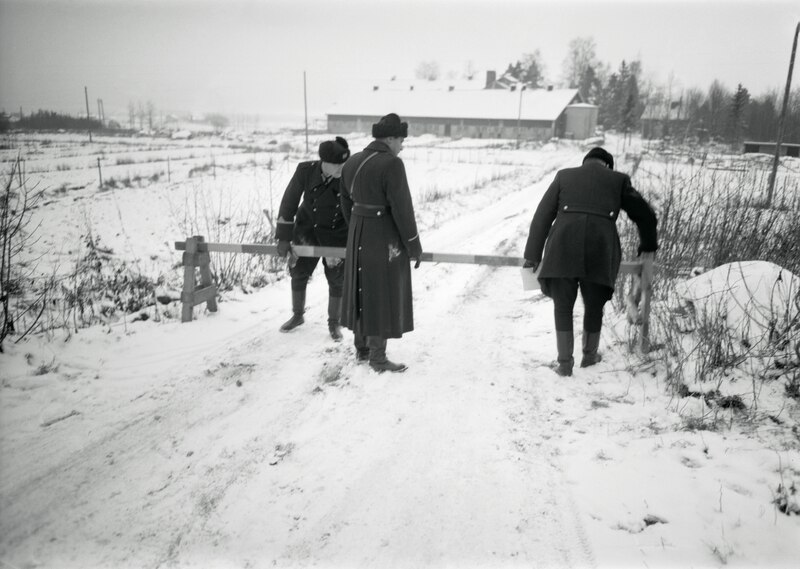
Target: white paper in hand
(530, 280)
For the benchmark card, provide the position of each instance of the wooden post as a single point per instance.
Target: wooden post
(192, 259)
(187, 296)
(169, 172)
(647, 293)
(774, 174)
(100, 172)
(88, 116)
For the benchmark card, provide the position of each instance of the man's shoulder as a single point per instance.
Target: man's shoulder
(308, 165)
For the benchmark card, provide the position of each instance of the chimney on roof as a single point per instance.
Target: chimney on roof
(450, 88)
(549, 87)
(411, 88)
(374, 87)
(491, 77)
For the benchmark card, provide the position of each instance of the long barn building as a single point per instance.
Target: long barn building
(456, 110)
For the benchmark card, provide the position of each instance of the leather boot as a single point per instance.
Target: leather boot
(334, 315)
(565, 343)
(298, 308)
(377, 356)
(591, 341)
(360, 343)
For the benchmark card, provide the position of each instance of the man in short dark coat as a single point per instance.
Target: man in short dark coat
(575, 226)
(383, 237)
(311, 214)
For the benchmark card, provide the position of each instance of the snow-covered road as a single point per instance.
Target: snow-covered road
(240, 446)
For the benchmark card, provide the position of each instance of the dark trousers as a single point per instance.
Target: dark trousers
(564, 292)
(305, 266)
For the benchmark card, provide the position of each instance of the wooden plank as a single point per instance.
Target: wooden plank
(206, 281)
(647, 293)
(206, 294)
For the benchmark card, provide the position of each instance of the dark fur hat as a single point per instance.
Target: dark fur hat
(334, 151)
(600, 154)
(390, 125)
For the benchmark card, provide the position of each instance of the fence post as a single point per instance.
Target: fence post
(190, 297)
(647, 293)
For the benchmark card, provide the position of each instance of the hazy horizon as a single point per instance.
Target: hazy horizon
(248, 57)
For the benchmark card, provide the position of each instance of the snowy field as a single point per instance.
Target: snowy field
(223, 443)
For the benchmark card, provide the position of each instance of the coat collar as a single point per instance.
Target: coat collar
(378, 146)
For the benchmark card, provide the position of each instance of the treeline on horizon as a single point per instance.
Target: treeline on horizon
(50, 120)
(624, 99)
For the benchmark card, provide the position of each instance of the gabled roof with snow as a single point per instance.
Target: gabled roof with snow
(495, 104)
(666, 110)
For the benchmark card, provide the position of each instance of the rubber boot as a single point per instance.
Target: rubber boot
(377, 356)
(334, 315)
(298, 308)
(591, 341)
(565, 343)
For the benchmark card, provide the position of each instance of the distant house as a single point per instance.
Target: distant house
(787, 148)
(667, 118)
(470, 109)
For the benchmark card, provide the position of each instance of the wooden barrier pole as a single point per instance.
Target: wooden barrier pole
(196, 254)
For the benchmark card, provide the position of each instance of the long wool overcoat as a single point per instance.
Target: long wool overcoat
(310, 211)
(377, 297)
(576, 225)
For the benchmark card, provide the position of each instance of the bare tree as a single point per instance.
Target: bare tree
(580, 57)
(470, 71)
(151, 111)
(428, 70)
(16, 203)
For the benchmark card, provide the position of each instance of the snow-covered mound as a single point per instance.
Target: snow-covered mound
(758, 301)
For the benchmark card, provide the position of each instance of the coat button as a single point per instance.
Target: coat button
(379, 214)
(565, 208)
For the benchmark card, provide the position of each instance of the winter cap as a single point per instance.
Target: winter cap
(390, 125)
(600, 154)
(334, 151)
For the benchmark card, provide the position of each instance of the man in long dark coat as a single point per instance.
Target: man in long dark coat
(383, 237)
(575, 225)
(318, 220)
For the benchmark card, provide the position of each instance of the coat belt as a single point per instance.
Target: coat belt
(611, 215)
(369, 210)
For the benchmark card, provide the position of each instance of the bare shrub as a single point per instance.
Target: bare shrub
(16, 235)
(709, 216)
(216, 214)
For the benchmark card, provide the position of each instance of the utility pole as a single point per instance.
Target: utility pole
(519, 113)
(305, 107)
(781, 122)
(88, 116)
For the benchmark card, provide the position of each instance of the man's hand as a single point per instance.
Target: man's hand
(283, 248)
(532, 265)
(417, 261)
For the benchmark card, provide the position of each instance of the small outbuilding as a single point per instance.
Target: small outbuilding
(787, 148)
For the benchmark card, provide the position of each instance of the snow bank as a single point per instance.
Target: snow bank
(759, 301)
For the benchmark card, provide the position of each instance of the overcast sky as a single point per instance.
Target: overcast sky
(248, 56)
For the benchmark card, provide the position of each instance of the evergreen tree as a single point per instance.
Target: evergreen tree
(736, 115)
